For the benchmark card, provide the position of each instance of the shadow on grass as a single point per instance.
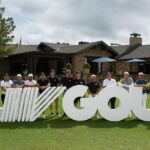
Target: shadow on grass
(68, 123)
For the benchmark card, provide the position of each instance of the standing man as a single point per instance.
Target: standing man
(43, 83)
(67, 81)
(141, 82)
(78, 81)
(30, 82)
(108, 82)
(93, 86)
(126, 82)
(6, 83)
(54, 82)
(18, 83)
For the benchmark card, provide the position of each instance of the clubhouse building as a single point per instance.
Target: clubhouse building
(46, 56)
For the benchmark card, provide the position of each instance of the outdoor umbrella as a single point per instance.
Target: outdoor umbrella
(135, 60)
(103, 60)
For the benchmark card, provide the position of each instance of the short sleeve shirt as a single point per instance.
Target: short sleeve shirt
(126, 83)
(142, 82)
(6, 84)
(53, 81)
(79, 82)
(93, 87)
(18, 82)
(42, 83)
(28, 82)
(108, 83)
(68, 82)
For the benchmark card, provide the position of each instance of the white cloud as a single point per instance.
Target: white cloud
(75, 20)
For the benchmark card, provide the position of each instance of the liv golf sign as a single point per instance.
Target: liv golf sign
(25, 104)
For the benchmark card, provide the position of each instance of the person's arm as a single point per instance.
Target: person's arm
(121, 84)
(114, 82)
(34, 84)
(2, 86)
(14, 84)
(44, 87)
(21, 85)
(104, 84)
(83, 82)
(98, 89)
(58, 82)
(61, 83)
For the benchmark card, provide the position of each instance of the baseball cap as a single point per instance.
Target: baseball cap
(19, 75)
(30, 75)
(126, 73)
(141, 74)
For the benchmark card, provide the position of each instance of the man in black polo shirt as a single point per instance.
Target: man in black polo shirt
(78, 81)
(67, 81)
(93, 86)
(42, 83)
(54, 83)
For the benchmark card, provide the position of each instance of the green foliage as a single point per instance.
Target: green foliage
(86, 66)
(68, 66)
(6, 29)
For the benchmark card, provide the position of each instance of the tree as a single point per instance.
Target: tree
(6, 37)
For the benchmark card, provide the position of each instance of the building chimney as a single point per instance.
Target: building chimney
(82, 42)
(135, 39)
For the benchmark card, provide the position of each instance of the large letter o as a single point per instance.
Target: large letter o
(119, 113)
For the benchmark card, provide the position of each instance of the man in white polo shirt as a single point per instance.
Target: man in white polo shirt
(6, 83)
(109, 81)
(30, 82)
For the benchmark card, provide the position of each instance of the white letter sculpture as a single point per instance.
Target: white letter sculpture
(129, 101)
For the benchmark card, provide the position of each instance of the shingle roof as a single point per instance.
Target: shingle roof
(120, 49)
(61, 48)
(71, 49)
(20, 49)
(140, 52)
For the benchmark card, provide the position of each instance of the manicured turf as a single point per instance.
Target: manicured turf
(65, 134)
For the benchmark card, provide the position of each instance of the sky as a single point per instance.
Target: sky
(71, 21)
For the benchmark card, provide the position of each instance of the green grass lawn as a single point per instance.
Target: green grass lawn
(65, 134)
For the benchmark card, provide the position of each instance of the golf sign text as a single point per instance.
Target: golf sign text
(130, 101)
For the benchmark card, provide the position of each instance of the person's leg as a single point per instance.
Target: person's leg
(3, 98)
(112, 102)
(56, 107)
(76, 101)
(51, 110)
(144, 100)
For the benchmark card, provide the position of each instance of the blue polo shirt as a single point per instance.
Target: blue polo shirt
(142, 82)
(18, 82)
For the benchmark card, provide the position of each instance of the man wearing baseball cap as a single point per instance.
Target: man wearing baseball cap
(126, 82)
(18, 83)
(30, 82)
(141, 82)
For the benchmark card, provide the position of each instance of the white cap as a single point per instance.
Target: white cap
(19, 75)
(141, 73)
(126, 73)
(30, 75)
(93, 75)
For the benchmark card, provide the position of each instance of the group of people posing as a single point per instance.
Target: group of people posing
(69, 80)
